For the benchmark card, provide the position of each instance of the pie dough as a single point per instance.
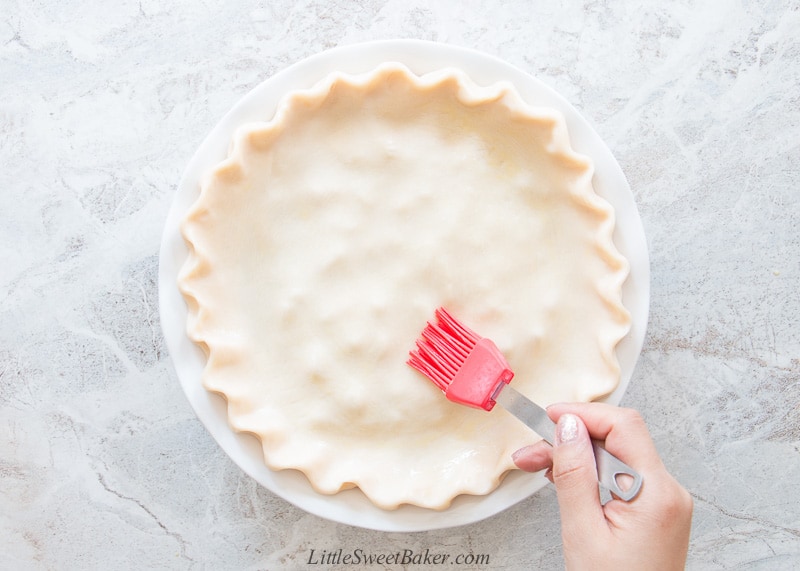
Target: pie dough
(325, 240)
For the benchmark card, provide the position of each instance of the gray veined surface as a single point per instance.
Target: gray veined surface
(104, 465)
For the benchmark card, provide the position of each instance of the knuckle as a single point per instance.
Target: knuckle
(677, 505)
(687, 502)
(631, 417)
(570, 475)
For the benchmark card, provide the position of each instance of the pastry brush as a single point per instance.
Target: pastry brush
(472, 371)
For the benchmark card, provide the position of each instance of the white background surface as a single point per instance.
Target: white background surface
(103, 463)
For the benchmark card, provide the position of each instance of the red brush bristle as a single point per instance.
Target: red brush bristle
(442, 349)
(467, 337)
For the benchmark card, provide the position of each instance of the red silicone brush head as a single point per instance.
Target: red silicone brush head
(467, 367)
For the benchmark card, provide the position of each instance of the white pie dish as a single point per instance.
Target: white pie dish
(351, 506)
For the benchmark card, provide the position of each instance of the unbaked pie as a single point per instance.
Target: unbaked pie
(323, 243)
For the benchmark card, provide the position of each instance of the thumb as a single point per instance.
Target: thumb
(575, 478)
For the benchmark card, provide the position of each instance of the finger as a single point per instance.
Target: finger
(623, 430)
(575, 478)
(535, 457)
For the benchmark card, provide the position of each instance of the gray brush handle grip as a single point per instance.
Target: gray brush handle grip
(609, 467)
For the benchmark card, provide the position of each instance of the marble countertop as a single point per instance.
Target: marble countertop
(103, 464)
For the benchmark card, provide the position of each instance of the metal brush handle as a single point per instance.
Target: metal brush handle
(609, 467)
(535, 417)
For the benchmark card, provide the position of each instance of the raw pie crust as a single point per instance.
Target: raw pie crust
(326, 239)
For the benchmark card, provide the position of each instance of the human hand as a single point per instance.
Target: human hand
(649, 532)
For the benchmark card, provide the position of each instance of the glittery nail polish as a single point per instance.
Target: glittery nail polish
(567, 428)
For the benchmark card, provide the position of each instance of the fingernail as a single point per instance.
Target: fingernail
(567, 428)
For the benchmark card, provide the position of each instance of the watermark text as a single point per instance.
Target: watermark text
(406, 557)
